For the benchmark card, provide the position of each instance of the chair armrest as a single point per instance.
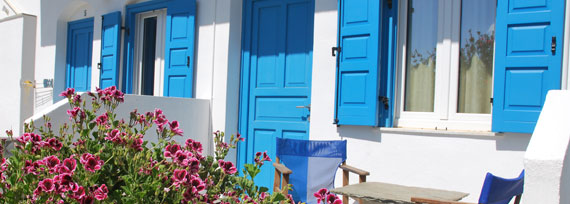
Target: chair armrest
(282, 168)
(354, 170)
(433, 201)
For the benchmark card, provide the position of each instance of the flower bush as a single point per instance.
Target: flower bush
(98, 158)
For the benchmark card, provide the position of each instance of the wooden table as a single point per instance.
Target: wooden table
(395, 194)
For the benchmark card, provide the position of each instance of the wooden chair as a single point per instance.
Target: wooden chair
(496, 190)
(311, 165)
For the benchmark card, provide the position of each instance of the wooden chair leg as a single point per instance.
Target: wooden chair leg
(345, 178)
(276, 178)
(284, 184)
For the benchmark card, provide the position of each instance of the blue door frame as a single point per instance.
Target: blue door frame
(179, 45)
(272, 82)
(79, 54)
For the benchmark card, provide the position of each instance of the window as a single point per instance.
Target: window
(446, 64)
(149, 48)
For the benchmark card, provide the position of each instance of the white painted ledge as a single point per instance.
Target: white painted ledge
(547, 175)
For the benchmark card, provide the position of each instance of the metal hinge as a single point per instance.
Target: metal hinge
(126, 30)
(335, 50)
(385, 100)
(389, 4)
(491, 100)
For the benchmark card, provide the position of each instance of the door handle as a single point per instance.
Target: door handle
(553, 45)
(308, 107)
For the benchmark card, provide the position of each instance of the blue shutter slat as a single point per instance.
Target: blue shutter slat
(179, 49)
(358, 63)
(110, 48)
(525, 66)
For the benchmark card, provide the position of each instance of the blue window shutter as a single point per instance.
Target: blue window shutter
(110, 49)
(525, 65)
(358, 63)
(179, 48)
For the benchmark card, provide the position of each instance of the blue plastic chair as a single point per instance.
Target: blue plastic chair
(496, 190)
(309, 166)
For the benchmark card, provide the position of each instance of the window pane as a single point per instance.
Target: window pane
(476, 55)
(420, 57)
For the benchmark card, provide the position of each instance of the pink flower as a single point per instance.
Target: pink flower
(73, 113)
(137, 144)
(68, 93)
(170, 150)
(182, 157)
(101, 192)
(194, 146)
(263, 195)
(197, 183)
(51, 162)
(78, 193)
(69, 165)
(46, 185)
(179, 176)
(102, 119)
(87, 200)
(90, 162)
(55, 144)
(194, 165)
(115, 136)
(239, 138)
(227, 166)
(261, 157)
(174, 128)
(321, 194)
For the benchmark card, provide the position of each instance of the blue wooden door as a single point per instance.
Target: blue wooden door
(358, 63)
(528, 61)
(110, 48)
(276, 88)
(179, 48)
(79, 53)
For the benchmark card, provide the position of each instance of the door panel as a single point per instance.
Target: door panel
(179, 59)
(110, 49)
(358, 63)
(79, 54)
(526, 66)
(280, 42)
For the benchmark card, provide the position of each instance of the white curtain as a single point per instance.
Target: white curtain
(475, 87)
(420, 87)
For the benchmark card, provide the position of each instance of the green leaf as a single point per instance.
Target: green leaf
(263, 189)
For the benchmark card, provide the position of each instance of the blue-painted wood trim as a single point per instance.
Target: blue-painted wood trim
(76, 24)
(337, 64)
(388, 61)
(244, 88)
(128, 53)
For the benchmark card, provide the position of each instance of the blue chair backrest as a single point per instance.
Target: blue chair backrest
(497, 190)
(314, 165)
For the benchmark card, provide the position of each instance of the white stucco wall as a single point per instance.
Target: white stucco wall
(17, 76)
(192, 114)
(547, 174)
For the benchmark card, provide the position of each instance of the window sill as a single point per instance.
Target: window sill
(398, 130)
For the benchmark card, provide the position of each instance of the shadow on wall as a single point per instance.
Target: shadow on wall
(372, 134)
(503, 141)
